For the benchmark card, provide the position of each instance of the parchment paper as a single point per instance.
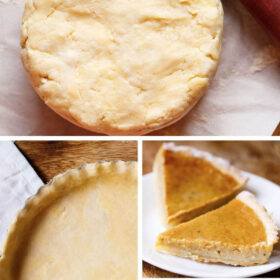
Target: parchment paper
(239, 102)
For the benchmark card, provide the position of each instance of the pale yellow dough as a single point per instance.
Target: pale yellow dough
(83, 225)
(121, 67)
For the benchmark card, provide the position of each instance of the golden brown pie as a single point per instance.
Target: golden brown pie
(238, 233)
(190, 182)
(82, 225)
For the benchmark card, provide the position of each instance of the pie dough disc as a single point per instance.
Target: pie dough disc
(123, 67)
(83, 225)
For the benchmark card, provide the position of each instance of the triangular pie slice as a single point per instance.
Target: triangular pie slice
(191, 182)
(82, 225)
(238, 233)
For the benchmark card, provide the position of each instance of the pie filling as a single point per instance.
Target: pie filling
(191, 182)
(235, 223)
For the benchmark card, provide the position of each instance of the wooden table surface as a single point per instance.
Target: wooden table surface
(50, 158)
(261, 158)
(277, 131)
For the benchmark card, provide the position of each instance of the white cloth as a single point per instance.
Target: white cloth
(18, 181)
(237, 103)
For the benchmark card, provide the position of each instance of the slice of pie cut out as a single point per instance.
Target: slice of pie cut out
(238, 233)
(191, 182)
(82, 225)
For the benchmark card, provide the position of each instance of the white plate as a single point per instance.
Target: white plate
(267, 193)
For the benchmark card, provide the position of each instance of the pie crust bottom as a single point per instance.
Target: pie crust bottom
(82, 225)
(218, 253)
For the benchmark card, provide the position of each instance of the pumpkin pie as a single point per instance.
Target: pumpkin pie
(238, 233)
(190, 182)
(82, 225)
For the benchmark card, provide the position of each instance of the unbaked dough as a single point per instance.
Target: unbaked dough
(83, 225)
(121, 67)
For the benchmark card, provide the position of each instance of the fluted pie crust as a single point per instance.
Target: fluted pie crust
(239, 233)
(191, 182)
(121, 67)
(82, 225)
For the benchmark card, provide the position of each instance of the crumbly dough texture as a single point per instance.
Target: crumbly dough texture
(83, 225)
(121, 67)
(191, 182)
(239, 233)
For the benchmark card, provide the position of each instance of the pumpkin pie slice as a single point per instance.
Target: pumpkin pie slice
(238, 233)
(190, 182)
(82, 225)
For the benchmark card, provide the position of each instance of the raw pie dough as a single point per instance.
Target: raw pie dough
(83, 225)
(239, 233)
(191, 182)
(121, 67)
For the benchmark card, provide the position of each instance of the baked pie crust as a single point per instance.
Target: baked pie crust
(121, 67)
(190, 182)
(239, 233)
(82, 225)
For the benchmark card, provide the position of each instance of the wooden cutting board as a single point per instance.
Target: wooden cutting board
(50, 158)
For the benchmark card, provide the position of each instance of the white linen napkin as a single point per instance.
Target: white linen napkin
(18, 181)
